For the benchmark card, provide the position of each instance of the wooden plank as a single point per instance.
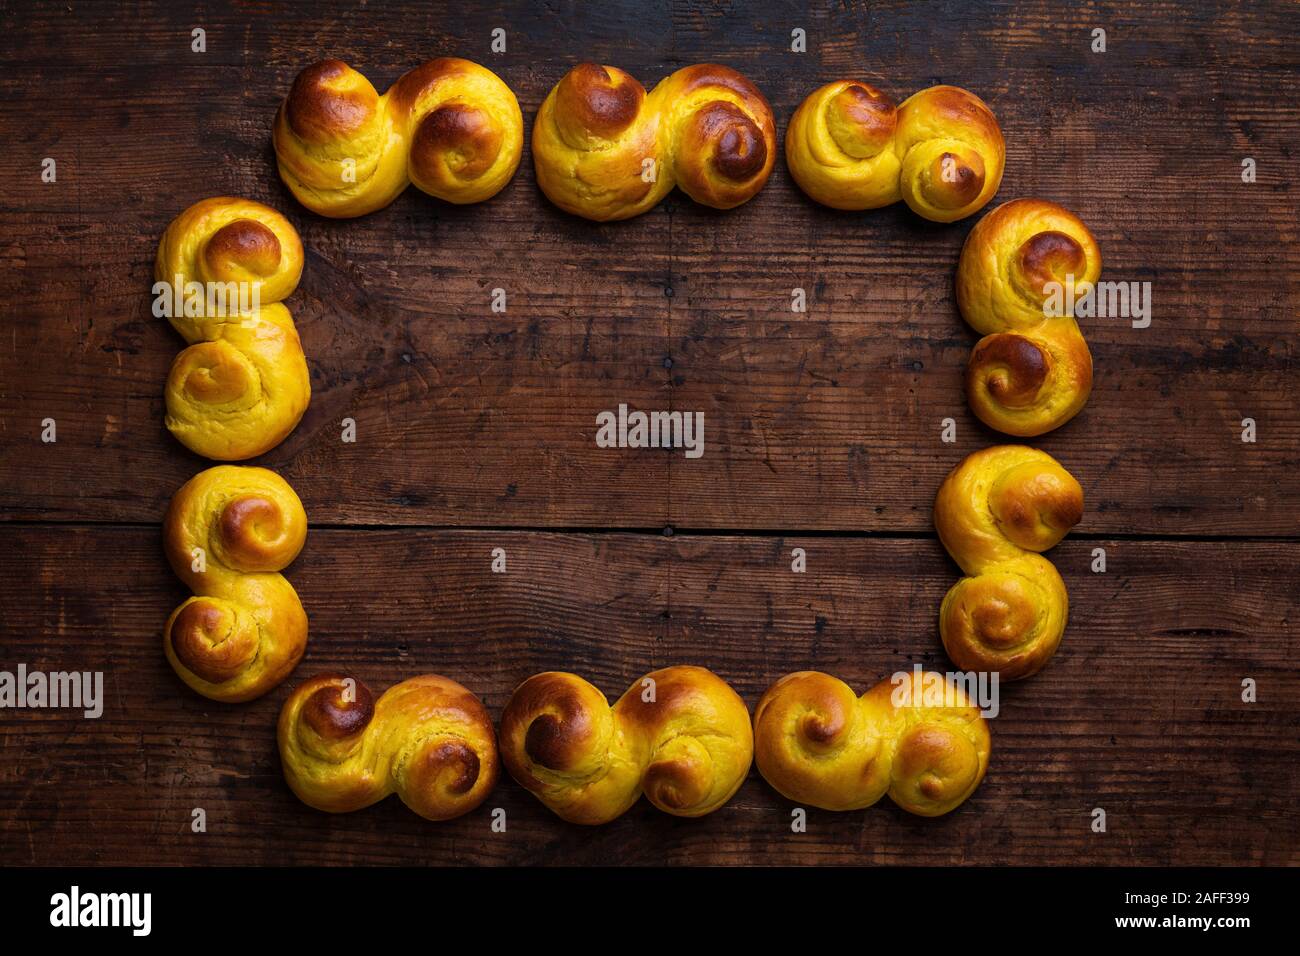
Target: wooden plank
(822, 421)
(1140, 713)
(827, 420)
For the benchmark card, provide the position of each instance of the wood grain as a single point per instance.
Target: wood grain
(825, 420)
(1139, 714)
(476, 429)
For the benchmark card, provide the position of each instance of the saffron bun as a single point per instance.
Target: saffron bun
(427, 739)
(450, 126)
(849, 147)
(228, 533)
(1020, 271)
(687, 748)
(820, 744)
(994, 513)
(605, 149)
(242, 385)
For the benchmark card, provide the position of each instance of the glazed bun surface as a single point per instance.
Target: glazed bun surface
(679, 735)
(1032, 371)
(916, 737)
(450, 126)
(242, 385)
(849, 146)
(994, 513)
(606, 149)
(228, 533)
(427, 739)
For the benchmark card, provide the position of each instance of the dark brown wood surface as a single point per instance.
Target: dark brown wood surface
(1140, 714)
(476, 430)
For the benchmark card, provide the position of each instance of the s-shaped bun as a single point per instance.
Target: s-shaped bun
(679, 735)
(1019, 272)
(941, 152)
(450, 126)
(427, 739)
(916, 737)
(606, 149)
(994, 513)
(229, 531)
(242, 385)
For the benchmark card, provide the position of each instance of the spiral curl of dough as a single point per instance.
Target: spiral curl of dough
(245, 629)
(994, 512)
(242, 385)
(916, 737)
(707, 128)
(450, 126)
(427, 739)
(941, 151)
(688, 750)
(1032, 371)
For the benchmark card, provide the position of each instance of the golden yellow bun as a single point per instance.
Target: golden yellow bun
(994, 513)
(707, 128)
(941, 152)
(450, 126)
(688, 747)
(1032, 371)
(228, 533)
(840, 148)
(242, 385)
(427, 739)
(916, 737)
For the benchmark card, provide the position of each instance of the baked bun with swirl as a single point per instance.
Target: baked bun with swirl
(916, 737)
(680, 735)
(450, 126)
(1032, 371)
(606, 149)
(228, 533)
(994, 513)
(242, 385)
(427, 739)
(849, 147)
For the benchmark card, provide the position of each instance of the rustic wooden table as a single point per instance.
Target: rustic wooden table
(475, 430)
